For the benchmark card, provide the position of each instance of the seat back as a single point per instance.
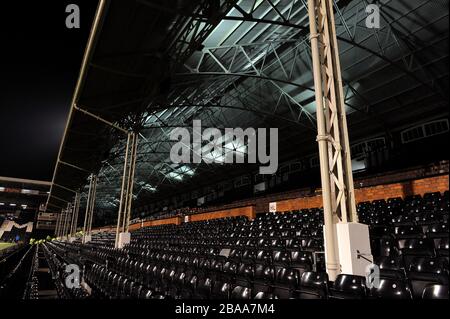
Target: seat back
(313, 285)
(435, 292)
(390, 267)
(391, 289)
(240, 292)
(349, 286)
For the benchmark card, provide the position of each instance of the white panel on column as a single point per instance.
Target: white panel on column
(353, 238)
(124, 239)
(87, 238)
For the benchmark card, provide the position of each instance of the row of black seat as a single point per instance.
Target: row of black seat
(247, 281)
(274, 256)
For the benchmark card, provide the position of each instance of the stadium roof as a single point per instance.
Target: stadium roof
(18, 194)
(152, 66)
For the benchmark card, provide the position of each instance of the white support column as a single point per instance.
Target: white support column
(60, 224)
(131, 182)
(89, 209)
(122, 192)
(126, 195)
(63, 222)
(58, 218)
(66, 217)
(86, 213)
(92, 205)
(74, 222)
(69, 220)
(343, 236)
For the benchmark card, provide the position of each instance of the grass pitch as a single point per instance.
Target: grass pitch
(5, 245)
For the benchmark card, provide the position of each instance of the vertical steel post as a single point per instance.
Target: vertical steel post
(69, 218)
(329, 233)
(61, 219)
(72, 219)
(122, 191)
(86, 215)
(334, 151)
(127, 188)
(92, 203)
(131, 181)
(76, 210)
(66, 221)
(345, 142)
(56, 225)
(66, 217)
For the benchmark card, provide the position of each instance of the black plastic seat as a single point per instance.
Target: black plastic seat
(217, 267)
(221, 290)
(264, 257)
(136, 292)
(229, 270)
(403, 221)
(204, 288)
(179, 281)
(294, 244)
(349, 287)
(281, 258)
(442, 247)
(244, 275)
(416, 247)
(410, 231)
(391, 289)
(265, 295)
(385, 246)
(189, 287)
(380, 231)
(302, 261)
(391, 267)
(313, 285)
(235, 255)
(240, 292)
(286, 282)
(437, 231)
(424, 272)
(435, 292)
(249, 255)
(263, 278)
(146, 294)
(314, 244)
(428, 218)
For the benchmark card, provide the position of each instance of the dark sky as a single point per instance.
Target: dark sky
(39, 65)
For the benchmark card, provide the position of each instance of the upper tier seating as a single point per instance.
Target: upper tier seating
(274, 256)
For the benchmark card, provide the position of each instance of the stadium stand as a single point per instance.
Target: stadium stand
(273, 256)
(355, 116)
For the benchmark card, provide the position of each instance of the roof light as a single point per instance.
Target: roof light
(175, 176)
(12, 205)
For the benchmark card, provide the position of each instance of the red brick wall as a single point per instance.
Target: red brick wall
(413, 187)
(403, 189)
(248, 211)
(166, 221)
(414, 181)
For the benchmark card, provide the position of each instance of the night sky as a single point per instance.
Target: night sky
(39, 65)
